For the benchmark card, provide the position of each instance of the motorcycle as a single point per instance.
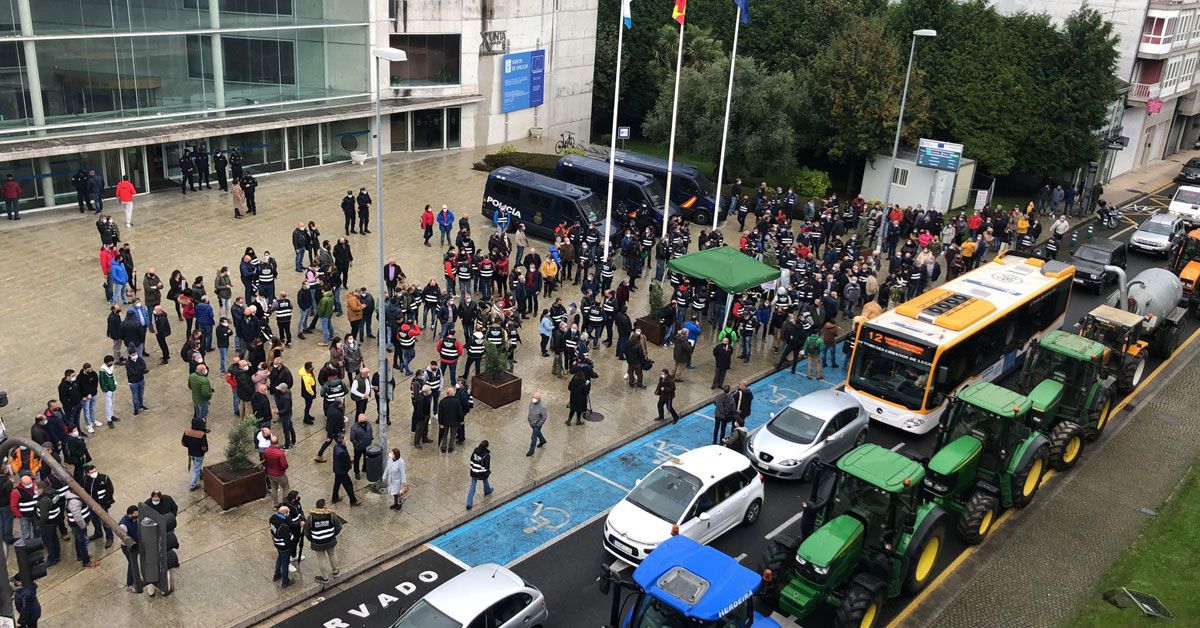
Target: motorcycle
(1107, 215)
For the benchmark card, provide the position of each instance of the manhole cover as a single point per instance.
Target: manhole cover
(593, 417)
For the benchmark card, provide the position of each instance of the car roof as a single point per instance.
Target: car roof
(539, 181)
(1103, 245)
(468, 594)
(710, 463)
(1169, 219)
(824, 404)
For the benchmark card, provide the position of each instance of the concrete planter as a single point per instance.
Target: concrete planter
(651, 329)
(231, 489)
(536, 132)
(496, 393)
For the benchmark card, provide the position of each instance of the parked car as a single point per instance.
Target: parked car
(1161, 234)
(1186, 204)
(706, 492)
(1190, 172)
(819, 426)
(1091, 258)
(487, 595)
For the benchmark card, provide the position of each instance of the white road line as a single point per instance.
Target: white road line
(705, 416)
(783, 526)
(898, 446)
(603, 479)
(448, 556)
(1129, 228)
(740, 557)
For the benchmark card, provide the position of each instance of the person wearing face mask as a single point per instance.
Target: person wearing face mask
(364, 210)
(129, 526)
(108, 387)
(75, 451)
(164, 504)
(79, 514)
(348, 212)
(49, 516)
(23, 504)
(100, 487)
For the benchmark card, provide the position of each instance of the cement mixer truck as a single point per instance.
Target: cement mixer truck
(1143, 317)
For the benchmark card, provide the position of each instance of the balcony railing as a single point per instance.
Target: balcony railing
(1141, 92)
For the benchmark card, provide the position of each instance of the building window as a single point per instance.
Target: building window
(263, 61)
(900, 177)
(432, 60)
(427, 132)
(263, 7)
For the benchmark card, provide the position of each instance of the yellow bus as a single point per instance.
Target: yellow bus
(908, 360)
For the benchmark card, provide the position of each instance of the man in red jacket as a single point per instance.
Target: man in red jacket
(427, 224)
(275, 461)
(125, 192)
(11, 192)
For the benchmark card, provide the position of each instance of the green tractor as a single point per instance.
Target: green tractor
(1072, 391)
(867, 537)
(987, 457)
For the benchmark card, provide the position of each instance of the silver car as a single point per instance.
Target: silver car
(1159, 235)
(819, 426)
(488, 595)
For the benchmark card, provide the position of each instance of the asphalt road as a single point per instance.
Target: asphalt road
(565, 568)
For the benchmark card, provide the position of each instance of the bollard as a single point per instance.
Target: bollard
(1091, 231)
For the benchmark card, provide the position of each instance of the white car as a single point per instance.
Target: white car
(706, 492)
(820, 426)
(488, 595)
(1186, 204)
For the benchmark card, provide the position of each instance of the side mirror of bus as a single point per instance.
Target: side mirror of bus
(943, 374)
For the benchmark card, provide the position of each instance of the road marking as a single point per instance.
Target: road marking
(558, 537)
(740, 557)
(1133, 226)
(783, 526)
(898, 446)
(602, 478)
(704, 415)
(444, 554)
(908, 610)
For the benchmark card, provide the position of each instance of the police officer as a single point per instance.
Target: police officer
(200, 157)
(348, 212)
(475, 352)
(187, 168)
(322, 531)
(1052, 248)
(235, 164)
(100, 487)
(79, 180)
(50, 516)
(281, 536)
(248, 183)
(364, 210)
(283, 318)
(219, 163)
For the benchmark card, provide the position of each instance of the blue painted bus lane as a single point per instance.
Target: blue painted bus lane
(537, 518)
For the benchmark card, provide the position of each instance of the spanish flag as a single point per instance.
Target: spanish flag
(679, 13)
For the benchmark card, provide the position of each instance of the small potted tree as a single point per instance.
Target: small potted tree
(496, 386)
(652, 325)
(238, 480)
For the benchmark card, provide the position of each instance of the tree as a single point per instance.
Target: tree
(853, 90)
(762, 134)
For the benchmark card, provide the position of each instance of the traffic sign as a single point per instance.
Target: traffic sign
(623, 133)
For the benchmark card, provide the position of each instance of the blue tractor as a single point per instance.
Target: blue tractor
(685, 584)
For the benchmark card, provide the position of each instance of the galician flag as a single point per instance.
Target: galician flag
(626, 14)
(680, 11)
(744, 5)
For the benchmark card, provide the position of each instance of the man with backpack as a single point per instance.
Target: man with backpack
(812, 352)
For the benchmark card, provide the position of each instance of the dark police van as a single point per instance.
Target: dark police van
(541, 202)
(634, 189)
(693, 193)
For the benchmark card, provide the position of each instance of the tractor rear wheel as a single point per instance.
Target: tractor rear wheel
(923, 561)
(977, 517)
(1162, 345)
(859, 609)
(1132, 372)
(1066, 445)
(1099, 415)
(1027, 479)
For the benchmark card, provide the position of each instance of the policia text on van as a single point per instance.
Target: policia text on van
(542, 203)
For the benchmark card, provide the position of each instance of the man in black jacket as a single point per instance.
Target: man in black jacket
(450, 417)
(88, 382)
(68, 395)
(300, 245)
(341, 471)
(100, 488)
(219, 162)
(161, 328)
(135, 374)
(133, 333)
(261, 405)
(114, 332)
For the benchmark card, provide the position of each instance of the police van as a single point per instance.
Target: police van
(693, 193)
(541, 202)
(634, 189)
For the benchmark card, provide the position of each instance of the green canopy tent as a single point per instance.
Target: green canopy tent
(731, 270)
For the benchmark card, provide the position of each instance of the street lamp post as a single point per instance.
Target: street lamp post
(381, 54)
(887, 196)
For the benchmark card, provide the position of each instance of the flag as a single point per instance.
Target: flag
(744, 5)
(680, 10)
(626, 14)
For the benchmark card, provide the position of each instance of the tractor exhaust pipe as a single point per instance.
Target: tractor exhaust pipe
(1122, 286)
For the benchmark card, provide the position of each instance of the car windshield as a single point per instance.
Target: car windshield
(591, 208)
(889, 375)
(1188, 197)
(1094, 255)
(665, 493)
(424, 615)
(1194, 162)
(796, 425)
(654, 191)
(1156, 227)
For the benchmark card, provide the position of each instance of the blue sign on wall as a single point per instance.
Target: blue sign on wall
(522, 80)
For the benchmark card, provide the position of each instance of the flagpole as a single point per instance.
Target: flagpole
(612, 149)
(737, 26)
(671, 150)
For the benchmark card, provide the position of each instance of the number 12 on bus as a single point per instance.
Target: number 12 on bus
(908, 360)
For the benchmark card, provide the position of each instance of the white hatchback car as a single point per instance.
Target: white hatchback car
(488, 596)
(706, 492)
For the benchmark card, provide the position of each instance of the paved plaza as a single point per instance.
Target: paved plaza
(52, 317)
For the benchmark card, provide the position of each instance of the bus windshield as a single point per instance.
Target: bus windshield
(891, 368)
(652, 612)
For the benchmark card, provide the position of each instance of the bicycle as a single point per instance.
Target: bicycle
(566, 140)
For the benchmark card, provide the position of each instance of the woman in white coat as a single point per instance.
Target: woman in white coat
(396, 476)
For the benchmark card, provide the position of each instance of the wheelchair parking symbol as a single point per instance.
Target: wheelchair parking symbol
(547, 518)
(664, 451)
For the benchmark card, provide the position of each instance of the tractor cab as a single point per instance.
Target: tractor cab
(982, 426)
(1061, 367)
(1186, 264)
(1120, 331)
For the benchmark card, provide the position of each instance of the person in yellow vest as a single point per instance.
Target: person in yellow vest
(968, 254)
